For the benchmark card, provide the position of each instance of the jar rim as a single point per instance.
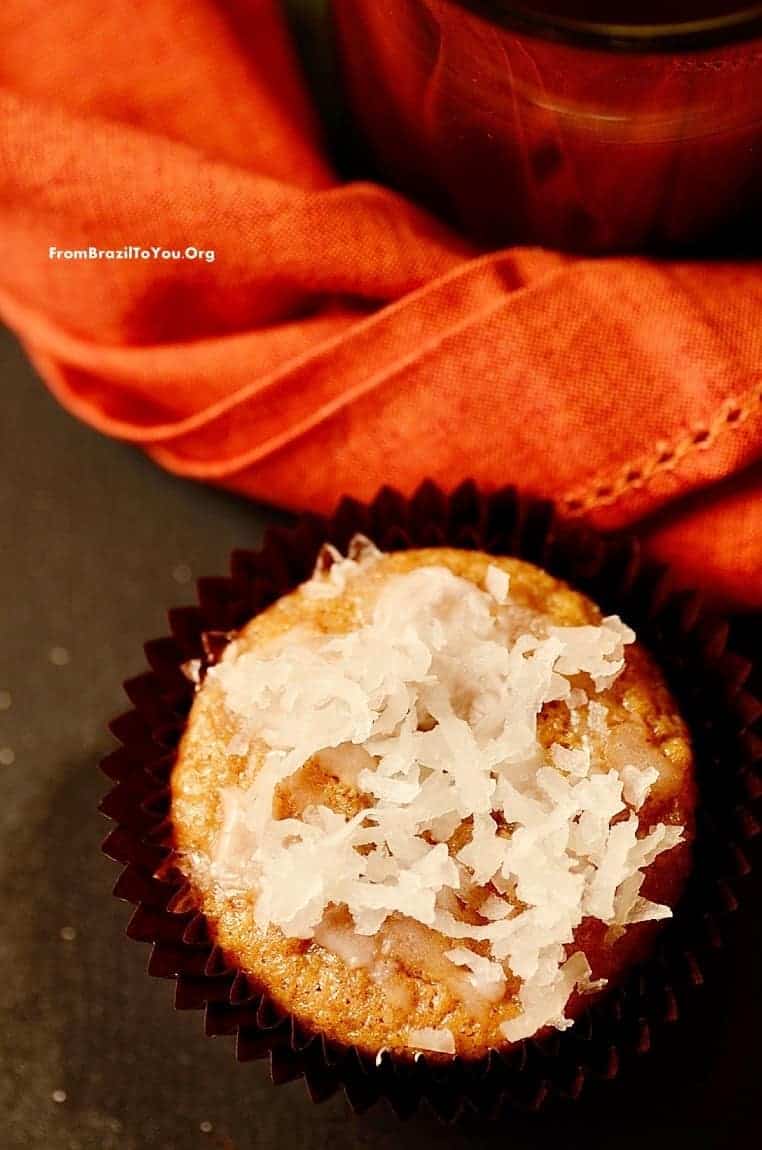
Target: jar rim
(683, 36)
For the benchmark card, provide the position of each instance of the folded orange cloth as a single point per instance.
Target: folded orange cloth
(342, 338)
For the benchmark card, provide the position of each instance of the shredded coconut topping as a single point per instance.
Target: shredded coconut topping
(431, 1038)
(428, 711)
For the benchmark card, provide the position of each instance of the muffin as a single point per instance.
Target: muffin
(433, 800)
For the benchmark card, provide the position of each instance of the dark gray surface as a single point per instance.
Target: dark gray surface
(94, 540)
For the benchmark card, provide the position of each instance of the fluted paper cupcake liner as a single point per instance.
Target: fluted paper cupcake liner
(707, 678)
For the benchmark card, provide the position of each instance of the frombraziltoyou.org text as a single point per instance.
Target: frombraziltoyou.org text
(133, 252)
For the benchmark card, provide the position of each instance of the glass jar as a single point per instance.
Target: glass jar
(522, 125)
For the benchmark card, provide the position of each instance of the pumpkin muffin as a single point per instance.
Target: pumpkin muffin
(433, 801)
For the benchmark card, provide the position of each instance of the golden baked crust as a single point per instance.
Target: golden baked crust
(316, 985)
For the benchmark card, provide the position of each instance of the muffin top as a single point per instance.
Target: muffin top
(432, 800)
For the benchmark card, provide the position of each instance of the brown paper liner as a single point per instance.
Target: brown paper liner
(707, 678)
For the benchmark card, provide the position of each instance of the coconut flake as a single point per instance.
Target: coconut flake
(571, 760)
(627, 745)
(630, 907)
(363, 550)
(191, 668)
(239, 743)
(597, 719)
(386, 974)
(487, 978)
(344, 762)
(356, 950)
(485, 853)
(544, 1003)
(596, 651)
(438, 1039)
(495, 908)
(332, 571)
(612, 870)
(659, 839)
(637, 784)
(497, 582)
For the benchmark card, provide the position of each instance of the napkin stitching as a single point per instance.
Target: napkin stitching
(638, 472)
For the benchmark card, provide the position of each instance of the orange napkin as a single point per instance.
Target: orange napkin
(342, 338)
